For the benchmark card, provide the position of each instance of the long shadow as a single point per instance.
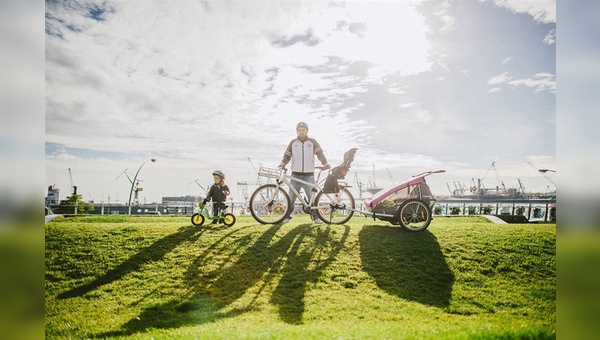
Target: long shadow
(407, 264)
(296, 274)
(155, 252)
(210, 291)
(217, 293)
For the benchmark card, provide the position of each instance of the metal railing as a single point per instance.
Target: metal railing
(533, 210)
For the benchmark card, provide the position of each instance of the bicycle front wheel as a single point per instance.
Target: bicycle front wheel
(335, 208)
(269, 204)
(197, 219)
(414, 215)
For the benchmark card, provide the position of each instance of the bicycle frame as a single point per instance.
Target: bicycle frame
(286, 179)
(208, 214)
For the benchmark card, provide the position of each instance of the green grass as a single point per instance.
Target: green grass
(162, 278)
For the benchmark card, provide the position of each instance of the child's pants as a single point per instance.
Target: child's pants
(217, 208)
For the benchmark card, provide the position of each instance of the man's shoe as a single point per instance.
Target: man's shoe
(317, 221)
(287, 220)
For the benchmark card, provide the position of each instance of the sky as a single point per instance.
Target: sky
(465, 86)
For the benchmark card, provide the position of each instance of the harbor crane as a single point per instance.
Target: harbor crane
(492, 167)
(521, 187)
(244, 184)
(371, 185)
(73, 187)
(197, 181)
(359, 184)
(390, 175)
(255, 171)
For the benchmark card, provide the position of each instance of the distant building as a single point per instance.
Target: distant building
(181, 200)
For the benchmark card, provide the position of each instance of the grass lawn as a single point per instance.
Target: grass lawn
(159, 277)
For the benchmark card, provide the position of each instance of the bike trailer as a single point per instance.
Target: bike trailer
(388, 200)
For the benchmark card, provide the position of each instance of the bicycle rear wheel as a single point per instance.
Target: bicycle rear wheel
(269, 204)
(229, 219)
(335, 208)
(414, 215)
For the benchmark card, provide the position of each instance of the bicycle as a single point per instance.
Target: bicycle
(203, 213)
(271, 204)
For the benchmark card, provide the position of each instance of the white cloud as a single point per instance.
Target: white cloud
(396, 90)
(540, 82)
(448, 22)
(550, 38)
(153, 67)
(542, 11)
(499, 79)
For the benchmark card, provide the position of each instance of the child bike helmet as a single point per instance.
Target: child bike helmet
(219, 173)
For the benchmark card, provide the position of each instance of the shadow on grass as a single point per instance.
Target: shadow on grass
(289, 294)
(155, 252)
(409, 265)
(233, 283)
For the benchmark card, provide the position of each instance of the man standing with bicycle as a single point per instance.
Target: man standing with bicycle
(302, 151)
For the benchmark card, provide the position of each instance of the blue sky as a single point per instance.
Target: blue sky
(415, 85)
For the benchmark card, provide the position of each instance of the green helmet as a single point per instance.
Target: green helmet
(219, 173)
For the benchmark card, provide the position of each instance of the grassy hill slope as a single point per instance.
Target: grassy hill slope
(162, 278)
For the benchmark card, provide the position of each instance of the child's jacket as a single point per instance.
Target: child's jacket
(217, 193)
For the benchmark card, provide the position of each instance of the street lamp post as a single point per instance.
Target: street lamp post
(543, 172)
(133, 183)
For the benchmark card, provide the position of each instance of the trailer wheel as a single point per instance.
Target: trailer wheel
(414, 215)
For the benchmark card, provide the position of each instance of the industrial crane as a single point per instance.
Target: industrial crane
(371, 185)
(73, 187)
(244, 184)
(359, 184)
(449, 190)
(521, 187)
(197, 181)
(390, 175)
(493, 166)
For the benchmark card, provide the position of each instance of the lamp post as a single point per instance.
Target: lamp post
(134, 181)
(543, 172)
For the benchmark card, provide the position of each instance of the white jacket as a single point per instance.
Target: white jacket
(302, 154)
